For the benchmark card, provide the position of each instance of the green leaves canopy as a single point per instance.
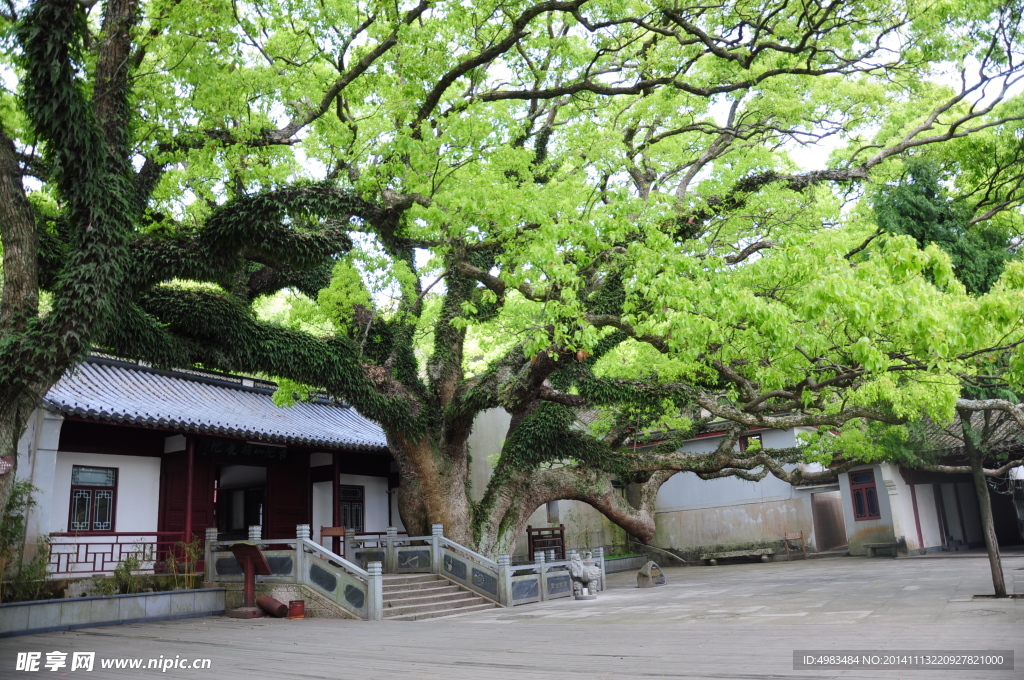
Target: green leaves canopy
(608, 186)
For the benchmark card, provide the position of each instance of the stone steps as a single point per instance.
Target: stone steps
(393, 583)
(415, 597)
(423, 594)
(440, 614)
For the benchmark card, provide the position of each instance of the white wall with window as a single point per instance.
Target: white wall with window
(373, 507)
(869, 493)
(87, 482)
(363, 505)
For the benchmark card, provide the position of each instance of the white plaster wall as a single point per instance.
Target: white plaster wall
(138, 490)
(735, 525)
(322, 515)
(931, 530)
(901, 506)
(37, 463)
(375, 505)
(696, 513)
(485, 442)
(686, 491)
(873, 530)
(376, 500)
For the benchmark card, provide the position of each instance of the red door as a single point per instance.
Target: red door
(173, 482)
(287, 496)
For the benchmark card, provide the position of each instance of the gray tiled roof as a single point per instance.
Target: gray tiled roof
(121, 392)
(1002, 433)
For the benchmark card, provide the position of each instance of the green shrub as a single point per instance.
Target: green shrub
(191, 553)
(21, 579)
(127, 577)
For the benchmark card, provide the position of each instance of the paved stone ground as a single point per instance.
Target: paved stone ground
(730, 621)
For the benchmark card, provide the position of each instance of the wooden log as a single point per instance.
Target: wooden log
(272, 606)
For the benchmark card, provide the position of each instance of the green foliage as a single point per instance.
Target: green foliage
(863, 442)
(920, 207)
(20, 579)
(105, 585)
(191, 554)
(92, 188)
(346, 290)
(126, 575)
(430, 210)
(288, 391)
(548, 436)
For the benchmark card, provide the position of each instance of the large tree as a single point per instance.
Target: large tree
(605, 186)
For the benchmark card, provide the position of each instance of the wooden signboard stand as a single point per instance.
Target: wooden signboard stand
(253, 563)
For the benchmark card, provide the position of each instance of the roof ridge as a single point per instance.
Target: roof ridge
(206, 376)
(191, 373)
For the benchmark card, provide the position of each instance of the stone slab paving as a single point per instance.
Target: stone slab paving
(730, 621)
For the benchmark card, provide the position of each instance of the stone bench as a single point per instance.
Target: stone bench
(873, 548)
(712, 558)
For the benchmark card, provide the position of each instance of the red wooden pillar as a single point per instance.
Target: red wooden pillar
(336, 501)
(190, 468)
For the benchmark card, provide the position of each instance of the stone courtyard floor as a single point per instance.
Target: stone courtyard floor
(730, 621)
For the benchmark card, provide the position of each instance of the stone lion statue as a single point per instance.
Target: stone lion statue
(584, 573)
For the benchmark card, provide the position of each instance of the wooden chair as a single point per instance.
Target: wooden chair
(795, 536)
(338, 536)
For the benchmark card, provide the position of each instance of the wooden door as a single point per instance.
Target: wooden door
(287, 496)
(173, 482)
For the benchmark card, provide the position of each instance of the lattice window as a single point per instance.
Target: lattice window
(93, 498)
(352, 506)
(81, 505)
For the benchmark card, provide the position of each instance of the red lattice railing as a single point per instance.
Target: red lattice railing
(75, 554)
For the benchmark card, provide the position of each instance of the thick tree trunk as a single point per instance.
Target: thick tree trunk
(19, 299)
(987, 525)
(113, 65)
(433, 488)
(34, 353)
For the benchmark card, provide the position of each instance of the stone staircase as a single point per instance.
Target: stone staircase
(413, 597)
